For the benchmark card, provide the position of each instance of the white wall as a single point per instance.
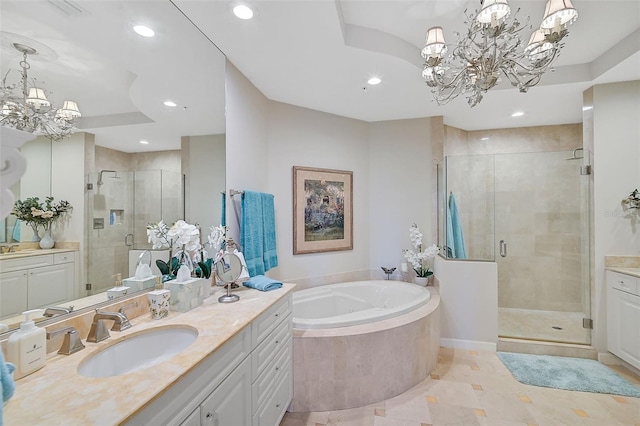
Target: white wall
(400, 177)
(616, 145)
(203, 160)
(246, 127)
(469, 304)
(303, 137)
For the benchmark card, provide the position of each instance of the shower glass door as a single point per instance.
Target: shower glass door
(542, 246)
(110, 221)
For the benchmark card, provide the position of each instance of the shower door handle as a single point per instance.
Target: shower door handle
(503, 248)
(128, 242)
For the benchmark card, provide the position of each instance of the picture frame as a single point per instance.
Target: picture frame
(322, 210)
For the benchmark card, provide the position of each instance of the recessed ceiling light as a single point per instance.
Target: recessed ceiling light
(587, 108)
(144, 31)
(486, 138)
(373, 81)
(517, 114)
(170, 103)
(144, 142)
(243, 11)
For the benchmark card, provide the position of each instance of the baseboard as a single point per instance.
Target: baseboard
(611, 359)
(472, 345)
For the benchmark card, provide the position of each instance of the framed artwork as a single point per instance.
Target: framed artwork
(322, 210)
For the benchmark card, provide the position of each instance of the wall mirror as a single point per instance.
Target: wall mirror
(166, 90)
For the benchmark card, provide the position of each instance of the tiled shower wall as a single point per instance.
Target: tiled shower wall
(519, 184)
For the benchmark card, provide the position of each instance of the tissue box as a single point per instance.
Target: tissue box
(187, 295)
(114, 292)
(159, 303)
(141, 284)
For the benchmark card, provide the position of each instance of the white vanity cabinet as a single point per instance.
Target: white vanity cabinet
(247, 381)
(623, 317)
(36, 281)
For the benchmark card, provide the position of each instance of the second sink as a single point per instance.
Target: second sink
(138, 351)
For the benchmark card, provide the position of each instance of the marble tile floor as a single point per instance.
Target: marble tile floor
(538, 325)
(475, 388)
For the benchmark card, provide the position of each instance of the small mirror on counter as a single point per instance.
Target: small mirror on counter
(228, 270)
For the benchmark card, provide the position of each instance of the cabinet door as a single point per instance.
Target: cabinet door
(622, 324)
(230, 403)
(50, 285)
(13, 293)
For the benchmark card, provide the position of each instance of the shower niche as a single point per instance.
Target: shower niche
(119, 205)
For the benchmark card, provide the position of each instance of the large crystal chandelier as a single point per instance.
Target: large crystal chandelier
(26, 107)
(492, 47)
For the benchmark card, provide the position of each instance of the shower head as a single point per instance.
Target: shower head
(100, 182)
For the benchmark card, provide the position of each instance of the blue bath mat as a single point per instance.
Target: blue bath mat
(576, 374)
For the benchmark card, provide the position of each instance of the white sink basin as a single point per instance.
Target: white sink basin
(138, 351)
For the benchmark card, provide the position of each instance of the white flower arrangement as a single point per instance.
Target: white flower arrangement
(419, 258)
(632, 201)
(217, 239)
(181, 234)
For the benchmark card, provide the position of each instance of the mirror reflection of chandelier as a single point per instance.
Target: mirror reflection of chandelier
(26, 107)
(492, 47)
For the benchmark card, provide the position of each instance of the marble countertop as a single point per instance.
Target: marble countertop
(26, 252)
(634, 272)
(57, 394)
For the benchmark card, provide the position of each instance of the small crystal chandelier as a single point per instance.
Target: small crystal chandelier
(491, 47)
(27, 108)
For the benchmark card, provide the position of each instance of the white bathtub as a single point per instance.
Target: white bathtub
(353, 303)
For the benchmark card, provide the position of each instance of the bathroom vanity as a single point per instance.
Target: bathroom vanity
(238, 371)
(623, 314)
(32, 279)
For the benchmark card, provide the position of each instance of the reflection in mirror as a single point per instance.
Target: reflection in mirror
(228, 270)
(135, 158)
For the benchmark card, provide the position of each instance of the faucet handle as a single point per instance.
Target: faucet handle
(71, 343)
(124, 308)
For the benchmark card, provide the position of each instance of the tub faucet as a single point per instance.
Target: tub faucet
(99, 332)
(388, 271)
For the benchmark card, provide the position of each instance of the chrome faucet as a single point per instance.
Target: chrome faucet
(99, 332)
(71, 343)
(57, 310)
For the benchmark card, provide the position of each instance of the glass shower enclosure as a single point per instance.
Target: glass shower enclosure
(528, 212)
(120, 204)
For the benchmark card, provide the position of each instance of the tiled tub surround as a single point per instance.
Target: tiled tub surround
(348, 367)
(58, 393)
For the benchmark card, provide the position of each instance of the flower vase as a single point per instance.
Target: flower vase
(36, 236)
(46, 242)
(421, 281)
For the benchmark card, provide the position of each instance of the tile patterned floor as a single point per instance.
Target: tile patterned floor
(475, 388)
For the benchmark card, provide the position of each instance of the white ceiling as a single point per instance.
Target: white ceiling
(311, 53)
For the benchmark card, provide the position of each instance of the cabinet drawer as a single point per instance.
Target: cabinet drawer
(10, 265)
(261, 388)
(262, 326)
(267, 350)
(271, 412)
(624, 282)
(67, 257)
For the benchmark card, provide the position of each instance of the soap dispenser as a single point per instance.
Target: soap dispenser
(27, 347)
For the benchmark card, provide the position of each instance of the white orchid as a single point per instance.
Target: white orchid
(157, 235)
(184, 234)
(217, 237)
(419, 259)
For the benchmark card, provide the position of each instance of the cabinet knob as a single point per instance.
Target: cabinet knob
(277, 368)
(277, 341)
(278, 405)
(277, 315)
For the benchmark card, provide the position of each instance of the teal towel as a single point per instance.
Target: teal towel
(459, 249)
(223, 213)
(270, 256)
(251, 232)
(7, 387)
(262, 283)
(258, 232)
(16, 231)
(451, 248)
